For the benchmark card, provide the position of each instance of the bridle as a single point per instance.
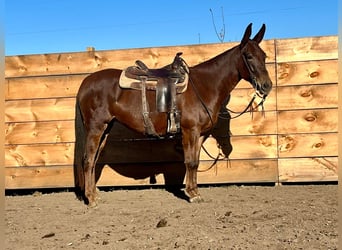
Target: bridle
(255, 84)
(238, 114)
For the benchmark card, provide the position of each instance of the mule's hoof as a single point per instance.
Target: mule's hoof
(196, 199)
(92, 204)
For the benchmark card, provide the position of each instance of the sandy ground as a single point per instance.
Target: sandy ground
(231, 217)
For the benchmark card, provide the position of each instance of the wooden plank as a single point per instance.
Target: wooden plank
(138, 174)
(234, 171)
(307, 49)
(42, 87)
(39, 132)
(239, 171)
(312, 72)
(307, 97)
(40, 110)
(244, 147)
(308, 145)
(256, 123)
(308, 121)
(115, 152)
(240, 99)
(39, 177)
(64, 108)
(63, 130)
(39, 154)
(66, 85)
(308, 169)
(87, 62)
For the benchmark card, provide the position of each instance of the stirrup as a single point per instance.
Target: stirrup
(173, 122)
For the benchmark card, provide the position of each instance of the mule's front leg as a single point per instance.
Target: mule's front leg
(191, 182)
(192, 145)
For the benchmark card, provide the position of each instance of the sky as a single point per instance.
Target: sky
(56, 26)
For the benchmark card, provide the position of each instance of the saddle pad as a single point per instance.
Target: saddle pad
(129, 83)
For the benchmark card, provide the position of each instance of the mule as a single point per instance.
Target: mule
(101, 101)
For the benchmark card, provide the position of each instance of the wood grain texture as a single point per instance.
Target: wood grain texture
(63, 130)
(42, 87)
(90, 61)
(307, 145)
(309, 72)
(40, 110)
(307, 49)
(308, 121)
(39, 132)
(59, 86)
(39, 155)
(307, 97)
(308, 169)
(237, 171)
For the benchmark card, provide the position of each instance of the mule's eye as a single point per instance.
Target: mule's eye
(249, 57)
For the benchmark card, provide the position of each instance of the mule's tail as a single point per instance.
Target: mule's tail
(80, 139)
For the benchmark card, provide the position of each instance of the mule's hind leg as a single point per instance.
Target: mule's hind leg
(96, 140)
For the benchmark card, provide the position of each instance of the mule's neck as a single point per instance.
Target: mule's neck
(221, 73)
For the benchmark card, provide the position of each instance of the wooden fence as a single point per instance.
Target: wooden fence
(296, 141)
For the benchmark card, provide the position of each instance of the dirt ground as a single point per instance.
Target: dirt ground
(231, 217)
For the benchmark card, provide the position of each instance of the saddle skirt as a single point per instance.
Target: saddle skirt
(151, 84)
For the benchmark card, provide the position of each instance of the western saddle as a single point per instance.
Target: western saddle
(167, 79)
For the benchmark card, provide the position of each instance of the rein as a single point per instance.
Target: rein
(238, 114)
(202, 102)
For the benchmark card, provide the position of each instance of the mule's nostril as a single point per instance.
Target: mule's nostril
(267, 86)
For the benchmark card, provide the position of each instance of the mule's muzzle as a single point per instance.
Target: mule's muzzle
(262, 89)
(265, 88)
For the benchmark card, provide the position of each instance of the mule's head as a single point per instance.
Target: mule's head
(253, 68)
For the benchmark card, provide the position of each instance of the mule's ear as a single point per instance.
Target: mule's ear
(260, 35)
(246, 36)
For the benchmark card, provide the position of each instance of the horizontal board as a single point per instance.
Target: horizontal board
(63, 130)
(307, 97)
(308, 169)
(90, 61)
(313, 72)
(57, 86)
(308, 121)
(256, 123)
(237, 171)
(249, 147)
(39, 177)
(307, 49)
(40, 110)
(64, 108)
(308, 145)
(244, 147)
(39, 154)
(42, 87)
(240, 98)
(39, 132)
